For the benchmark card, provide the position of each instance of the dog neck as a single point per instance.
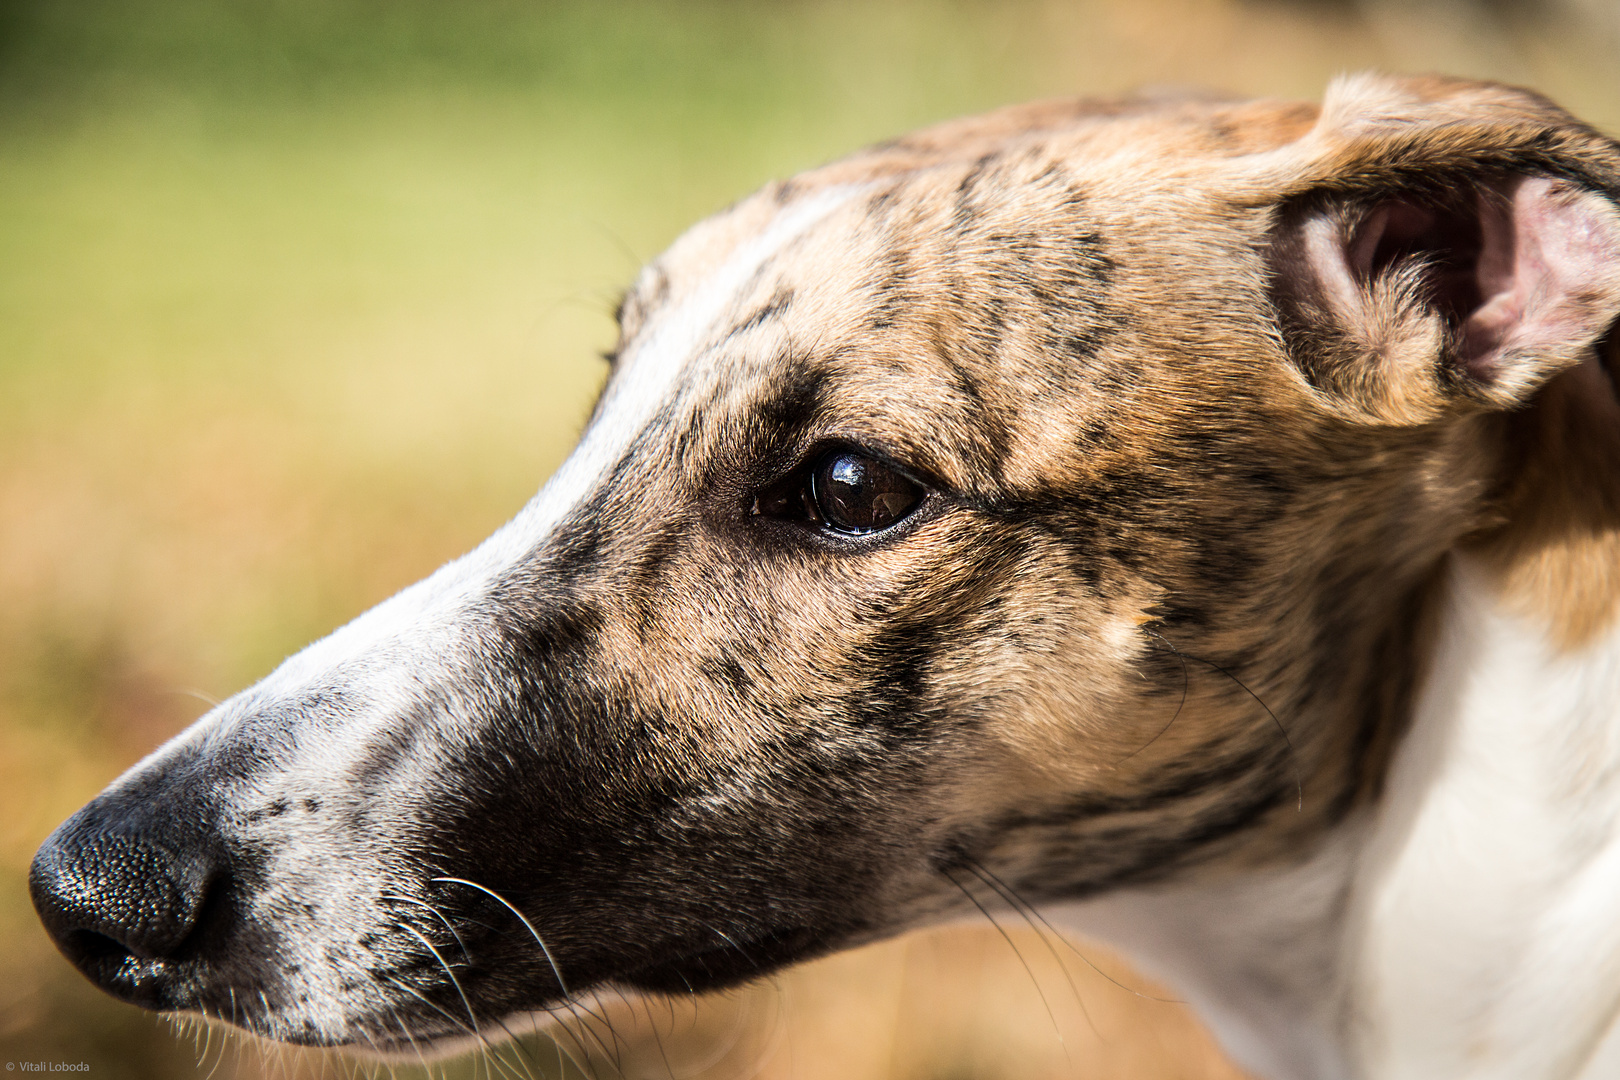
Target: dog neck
(1259, 957)
(1487, 890)
(1463, 925)
(1483, 940)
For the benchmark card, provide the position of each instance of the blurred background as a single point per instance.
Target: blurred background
(300, 298)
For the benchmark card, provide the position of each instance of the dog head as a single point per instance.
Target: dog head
(1036, 505)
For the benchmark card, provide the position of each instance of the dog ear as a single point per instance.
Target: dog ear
(1402, 303)
(1444, 242)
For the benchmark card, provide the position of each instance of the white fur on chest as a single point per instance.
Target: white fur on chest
(1486, 935)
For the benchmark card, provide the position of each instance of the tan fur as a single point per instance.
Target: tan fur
(1558, 549)
(1194, 399)
(1184, 197)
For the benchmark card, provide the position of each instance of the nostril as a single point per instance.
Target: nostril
(90, 947)
(119, 902)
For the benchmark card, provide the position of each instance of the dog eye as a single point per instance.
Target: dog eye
(855, 494)
(842, 491)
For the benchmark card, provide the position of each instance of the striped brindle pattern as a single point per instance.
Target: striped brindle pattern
(1180, 407)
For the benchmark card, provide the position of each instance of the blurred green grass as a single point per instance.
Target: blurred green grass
(299, 298)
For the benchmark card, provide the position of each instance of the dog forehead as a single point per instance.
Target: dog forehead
(1007, 271)
(1116, 151)
(1009, 164)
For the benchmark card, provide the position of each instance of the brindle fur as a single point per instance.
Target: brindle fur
(1160, 617)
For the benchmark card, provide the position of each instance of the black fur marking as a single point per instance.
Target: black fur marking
(1095, 843)
(1113, 859)
(729, 672)
(576, 546)
(541, 629)
(779, 302)
(1177, 784)
(645, 576)
(899, 660)
(892, 291)
(1093, 433)
(879, 206)
(966, 212)
(602, 805)
(800, 393)
(996, 436)
(1067, 277)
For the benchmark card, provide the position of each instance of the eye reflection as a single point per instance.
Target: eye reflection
(856, 494)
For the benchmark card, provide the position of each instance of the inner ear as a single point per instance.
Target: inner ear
(1447, 240)
(1399, 303)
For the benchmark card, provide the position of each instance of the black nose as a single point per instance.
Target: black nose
(122, 900)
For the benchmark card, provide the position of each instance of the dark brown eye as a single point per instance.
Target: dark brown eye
(855, 494)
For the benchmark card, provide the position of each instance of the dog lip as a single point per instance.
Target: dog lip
(153, 984)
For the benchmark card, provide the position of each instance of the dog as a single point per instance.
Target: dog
(1197, 522)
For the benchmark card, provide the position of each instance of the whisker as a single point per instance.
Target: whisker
(616, 1055)
(241, 1047)
(451, 975)
(983, 874)
(259, 1046)
(191, 692)
(517, 1048)
(206, 1034)
(490, 1060)
(406, 1031)
(1293, 757)
(513, 1039)
(219, 1059)
(630, 1007)
(435, 1006)
(634, 261)
(1061, 936)
(658, 1040)
(372, 1042)
(1047, 1005)
(573, 1007)
(521, 918)
(582, 1060)
(1186, 684)
(731, 941)
(437, 914)
(612, 1053)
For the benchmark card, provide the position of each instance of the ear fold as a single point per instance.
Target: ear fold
(1400, 304)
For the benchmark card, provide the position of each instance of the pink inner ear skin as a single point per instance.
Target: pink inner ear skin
(1548, 272)
(1526, 270)
(1392, 226)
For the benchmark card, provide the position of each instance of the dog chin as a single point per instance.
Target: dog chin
(418, 1047)
(692, 973)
